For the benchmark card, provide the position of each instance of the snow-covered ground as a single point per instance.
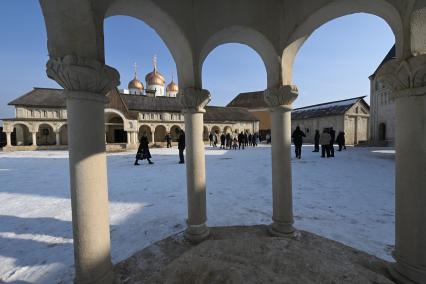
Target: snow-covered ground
(349, 199)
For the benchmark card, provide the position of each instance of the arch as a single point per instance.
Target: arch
(114, 127)
(110, 112)
(334, 10)
(145, 129)
(227, 129)
(215, 130)
(206, 133)
(168, 30)
(63, 134)
(160, 133)
(251, 38)
(173, 132)
(45, 135)
(21, 135)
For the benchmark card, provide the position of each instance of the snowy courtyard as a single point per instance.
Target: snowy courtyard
(349, 199)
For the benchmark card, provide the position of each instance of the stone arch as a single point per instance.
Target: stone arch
(63, 134)
(251, 38)
(227, 129)
(173, 133)
(45, 135)
(168, 30)
(215, 129)
(334, 10)
(145, 129)
(114, 127)
(20, 135)
(160, 133)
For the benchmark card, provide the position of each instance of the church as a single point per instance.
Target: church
(41, 116)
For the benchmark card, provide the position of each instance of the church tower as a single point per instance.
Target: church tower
(135, 86)
(155, 82)
(172, 89)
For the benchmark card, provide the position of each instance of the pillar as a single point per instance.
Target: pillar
(8, 139)
(86, 82)
(280, 102)
(152, 137)
(129, 138)
(410, 174)
(34, 138)
(193, 101)
(58, 138)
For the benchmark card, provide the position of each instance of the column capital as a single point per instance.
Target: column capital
(81, 74)
(194, 99)
(281, 97)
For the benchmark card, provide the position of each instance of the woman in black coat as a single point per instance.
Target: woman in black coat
(143, 150)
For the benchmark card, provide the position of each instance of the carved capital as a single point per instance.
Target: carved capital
(281, 96)
(194, 99)
(75, 73)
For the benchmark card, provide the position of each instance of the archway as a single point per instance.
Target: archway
(63, 135)
(174, 133)
(147, 130)
(160, 133)
(216, 130)
(227, 129)
(21, 135)
(115, 129)
(45, 135)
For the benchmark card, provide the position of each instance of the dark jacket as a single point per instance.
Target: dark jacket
(181, 141)
(298, 136)
(143, 149)
(341, 138)
(317, 137)
(333, 136)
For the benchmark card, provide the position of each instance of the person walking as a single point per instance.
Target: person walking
(143, 150)
(325, 143)
(168, 139)
(340, 139)
(228, 141)
(222, 141)
(245, 139)
(298, 141)
(240, 140)
(181, 145)
(211, 139)
(250, 139)
(332, 140)
(316, 141)
(254, 141)
(235, 143)
(214, 139)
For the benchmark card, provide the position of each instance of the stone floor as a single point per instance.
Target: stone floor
(250, 255)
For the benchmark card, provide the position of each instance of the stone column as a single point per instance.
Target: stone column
(193, 101)
(58, 138)
(34, 138)
(410, 172)
(280, 101)
(8, 139)
(86, 82)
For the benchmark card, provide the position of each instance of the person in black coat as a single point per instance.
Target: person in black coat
(143, 150)
(222, 141)
(298, 141)
(340, 139)
(181, 145)
(211, 139)
(333, 139)
(241, 140)
(316, 141)
(168, 139)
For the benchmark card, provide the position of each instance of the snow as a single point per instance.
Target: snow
(349, 199)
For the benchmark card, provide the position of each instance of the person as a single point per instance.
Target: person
(235, 143)
(222, 141)
(168, 139)
(298, 141)
(316, 141)
(325, 143)
(332, 140)
(214, 139)
(245, 139)
(211, 139)
(250, 139)
(228, 141)
(181, 145)
(254, 141)
(268, 138)
(143, 150)
(241, 140)
(340, 139)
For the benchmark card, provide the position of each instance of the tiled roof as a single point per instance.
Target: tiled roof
(391, 55)
(250, 100)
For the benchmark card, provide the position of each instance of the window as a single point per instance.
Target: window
(161, 117)
(31, 113)
(58, 114)
(171, 117)
(44, 113)
(152, 116)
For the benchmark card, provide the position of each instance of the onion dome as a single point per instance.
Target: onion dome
(172, 87)
(135, 83)
(155, 77)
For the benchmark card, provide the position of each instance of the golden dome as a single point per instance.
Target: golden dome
(172, 87)
(135, 84)
(155, 78)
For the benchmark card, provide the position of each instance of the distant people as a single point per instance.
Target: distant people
(181, 145)
(241, 140)
(168, 139)
(235, 143)
(228, 141)
(222, 141)
(332, 140)
(325, 143)
(268, 138)
(250, 139)
(254, 140)
(298, 141)
(245, 139)
(340, 139)
(143, 150)
(211, 139)
(316, 141)
(214, 139)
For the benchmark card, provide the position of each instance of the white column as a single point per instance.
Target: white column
(194, 100)
(58, 138)
(410, 176)
(129, 140)
(8, 139)
(34, 138)
(87, 162)
(280, 100)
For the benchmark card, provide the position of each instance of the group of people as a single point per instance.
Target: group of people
(327, 140)
(144, 153)
(237, 141)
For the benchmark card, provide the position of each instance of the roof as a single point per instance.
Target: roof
(391, 55)
(326, 109)
(249, 100)
(55, 98)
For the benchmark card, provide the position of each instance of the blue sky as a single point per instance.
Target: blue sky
(334, 63)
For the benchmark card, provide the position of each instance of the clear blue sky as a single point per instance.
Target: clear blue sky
(333, 64)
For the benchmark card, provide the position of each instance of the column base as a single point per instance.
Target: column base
(197, 233)
(107, 278)
(285, 230)
(405, 274)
